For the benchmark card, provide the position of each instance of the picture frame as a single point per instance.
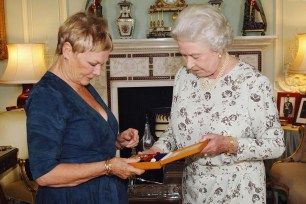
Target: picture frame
(300, 116)
(3, 48)
(287, 104)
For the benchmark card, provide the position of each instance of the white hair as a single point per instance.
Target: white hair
(203, 23)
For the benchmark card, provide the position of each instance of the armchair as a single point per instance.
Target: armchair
(15, 182)
(289, 174)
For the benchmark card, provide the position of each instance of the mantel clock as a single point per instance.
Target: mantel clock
(170, 4)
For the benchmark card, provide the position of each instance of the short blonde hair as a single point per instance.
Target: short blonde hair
(203, 23)
(85, 32)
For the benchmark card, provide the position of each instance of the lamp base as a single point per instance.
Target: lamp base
(21, 100)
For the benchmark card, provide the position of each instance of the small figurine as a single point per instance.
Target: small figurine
(216, 3)
(94, 6)
(249, 21)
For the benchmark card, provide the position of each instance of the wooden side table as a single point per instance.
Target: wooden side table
(8, 159)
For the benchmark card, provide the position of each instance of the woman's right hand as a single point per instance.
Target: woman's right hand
(121, 167)
(152, 150)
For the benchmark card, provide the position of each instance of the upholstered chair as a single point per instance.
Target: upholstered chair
(289, 174)
(16, 184)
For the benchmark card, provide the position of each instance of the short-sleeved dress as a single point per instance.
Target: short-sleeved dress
(241, 105)
(63, 128)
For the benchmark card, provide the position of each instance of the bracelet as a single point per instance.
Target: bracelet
(231, 146)
(108, 167)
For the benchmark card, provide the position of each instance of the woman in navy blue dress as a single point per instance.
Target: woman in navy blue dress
(72, 134)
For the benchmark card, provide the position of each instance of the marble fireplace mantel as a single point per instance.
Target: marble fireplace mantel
(169, 44)
(154, 62)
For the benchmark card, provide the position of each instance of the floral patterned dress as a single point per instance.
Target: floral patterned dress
(241, 105)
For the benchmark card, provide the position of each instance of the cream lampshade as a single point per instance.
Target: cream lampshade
(26, 65)
(299, 64)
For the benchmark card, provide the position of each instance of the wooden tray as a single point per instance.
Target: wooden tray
(172, 156)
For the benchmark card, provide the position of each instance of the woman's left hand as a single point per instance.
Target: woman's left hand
(217, 144)
(128, 138)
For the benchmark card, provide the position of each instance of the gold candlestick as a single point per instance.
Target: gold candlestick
(154, 21)
(158, 22)
(162, 21)
(151, 21)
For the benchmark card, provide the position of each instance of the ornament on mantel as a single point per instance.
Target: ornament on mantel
(216, 3)
(94, 7)
(125, 23)
(250, 22)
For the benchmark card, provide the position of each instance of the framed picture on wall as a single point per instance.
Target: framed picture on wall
(300, 116)
(287, 104)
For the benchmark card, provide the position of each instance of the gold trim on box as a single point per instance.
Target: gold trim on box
(172, 156)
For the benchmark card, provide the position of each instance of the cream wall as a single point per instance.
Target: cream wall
(294, 22)
(38, 21)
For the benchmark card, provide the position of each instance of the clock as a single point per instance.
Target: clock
(157, 12)
(170, 3)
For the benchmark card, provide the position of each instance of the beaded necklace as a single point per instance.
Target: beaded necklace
(206, 86)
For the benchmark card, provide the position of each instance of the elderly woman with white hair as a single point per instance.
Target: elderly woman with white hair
(220, 98)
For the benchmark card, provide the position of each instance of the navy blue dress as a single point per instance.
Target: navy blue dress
(63, 128)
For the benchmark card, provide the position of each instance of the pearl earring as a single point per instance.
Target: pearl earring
(188, 70)
(220, 55)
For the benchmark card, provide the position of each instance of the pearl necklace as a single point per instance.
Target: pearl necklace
(206, 86)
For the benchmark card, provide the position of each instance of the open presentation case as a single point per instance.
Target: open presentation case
(162, 159)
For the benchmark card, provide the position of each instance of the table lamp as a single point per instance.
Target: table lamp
(299, 64)
(26, 65)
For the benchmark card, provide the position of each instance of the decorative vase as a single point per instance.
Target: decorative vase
(125, 23)
(147, 139)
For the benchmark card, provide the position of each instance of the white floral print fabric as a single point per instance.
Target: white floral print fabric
(241, 105)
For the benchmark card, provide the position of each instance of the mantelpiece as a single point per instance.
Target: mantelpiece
(169, 44)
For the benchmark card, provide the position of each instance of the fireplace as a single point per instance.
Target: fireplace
(135, 103)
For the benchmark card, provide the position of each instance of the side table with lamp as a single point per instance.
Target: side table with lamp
(26, 65)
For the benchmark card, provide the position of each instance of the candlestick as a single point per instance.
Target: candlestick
(162, 14)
